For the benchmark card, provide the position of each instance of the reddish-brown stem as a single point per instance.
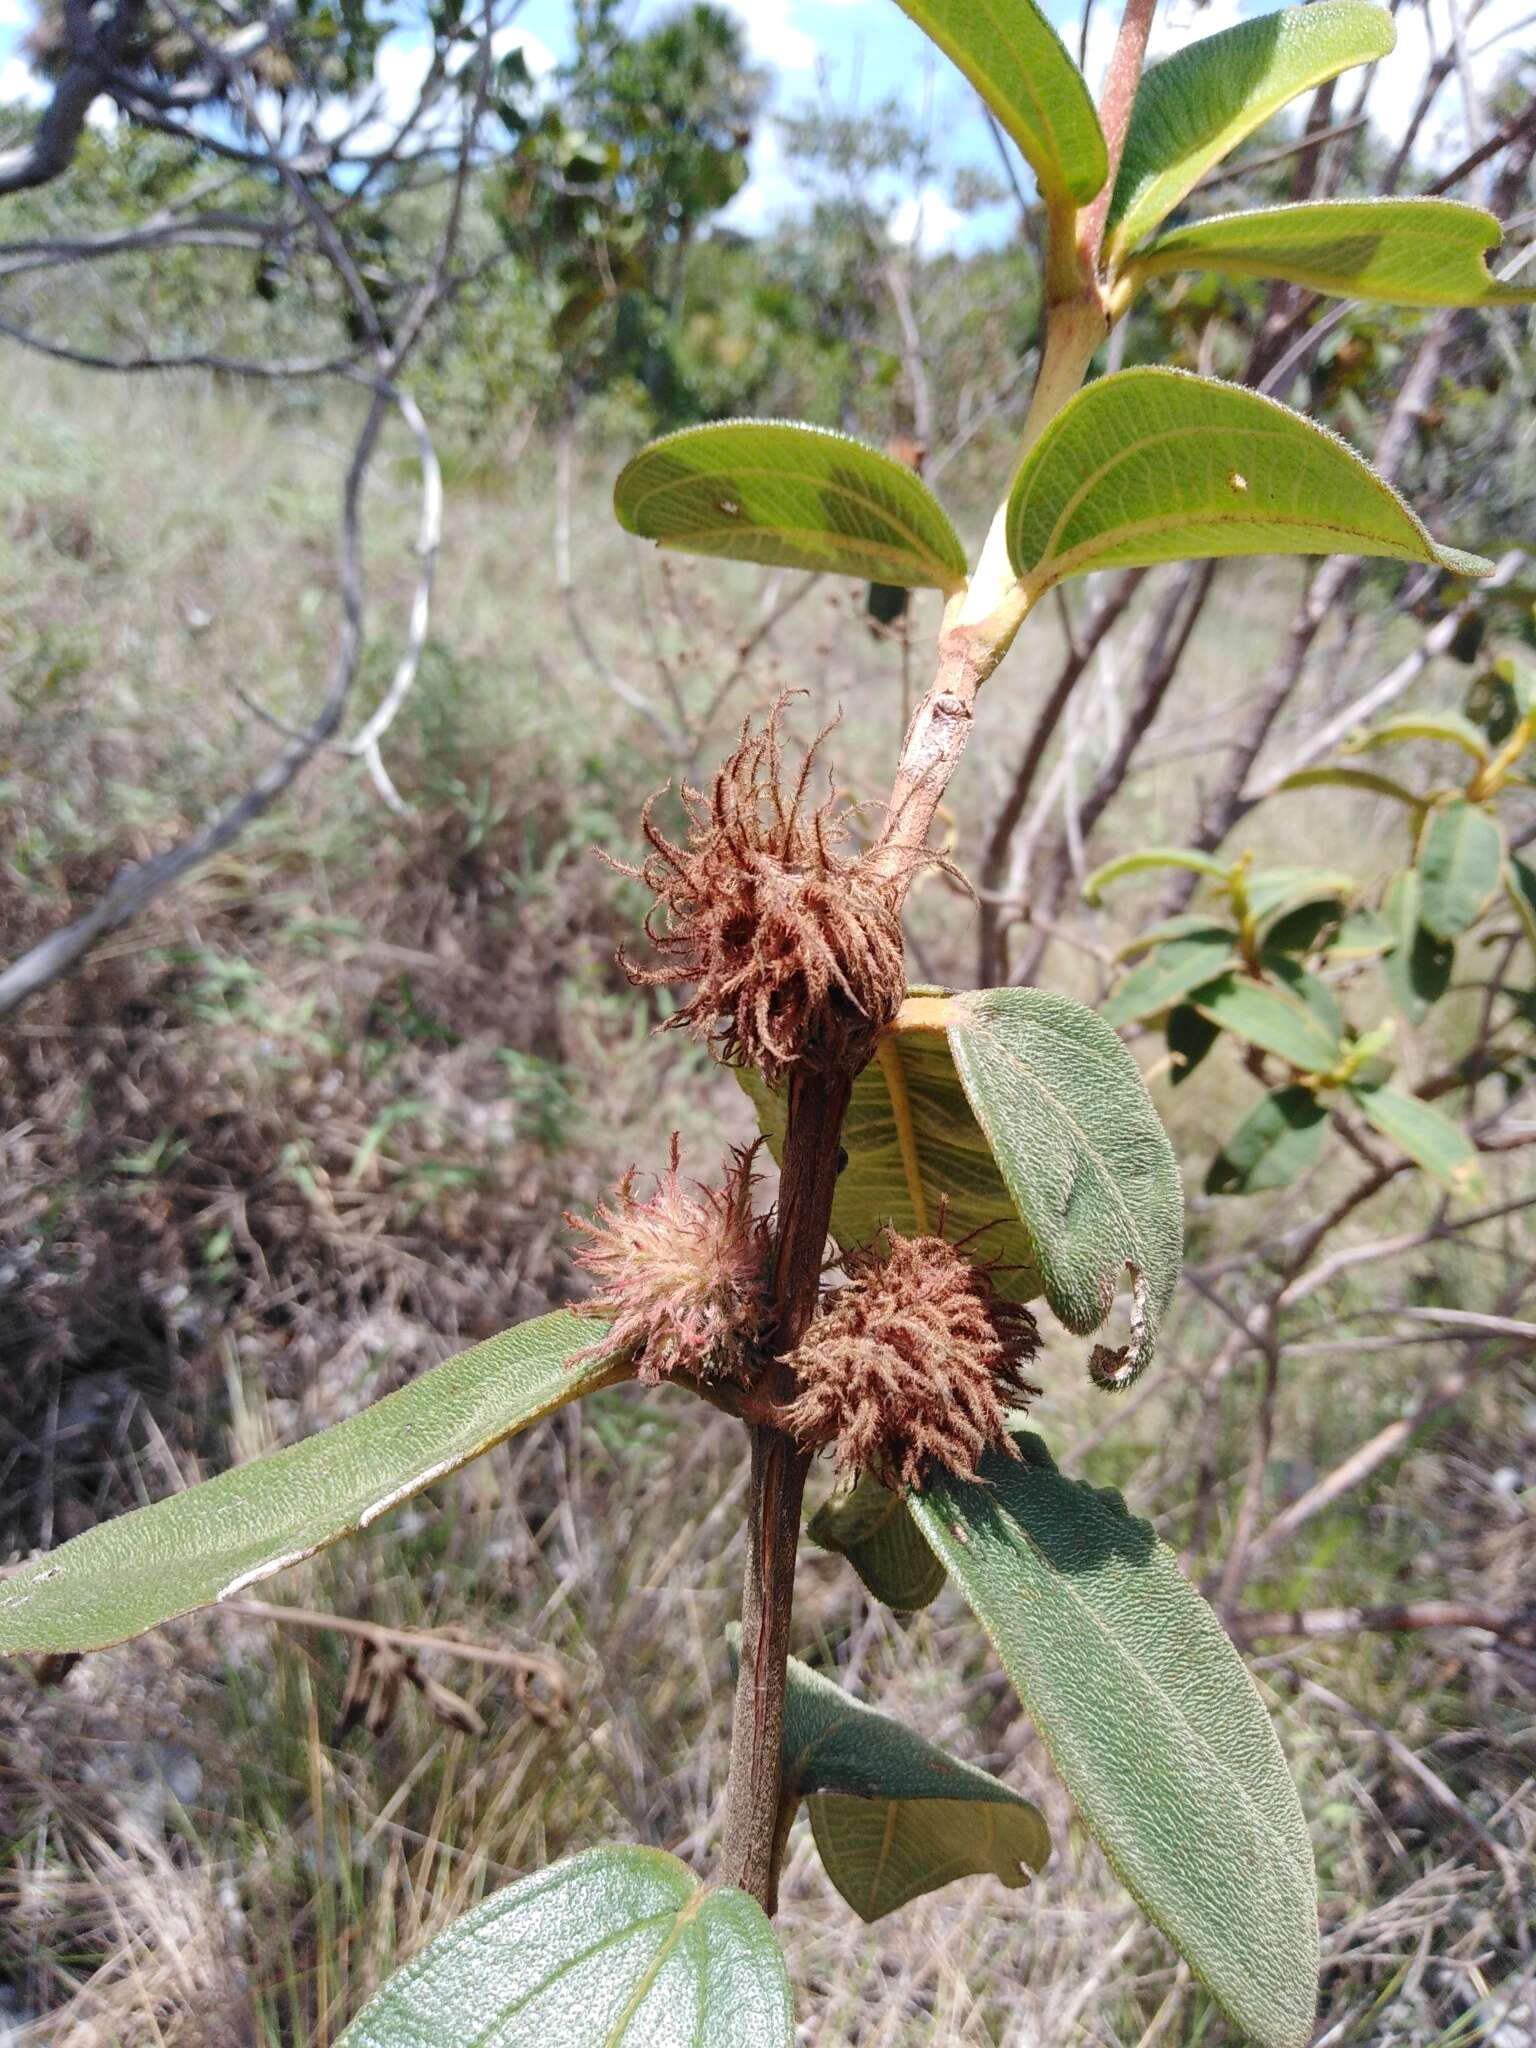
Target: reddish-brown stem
(1115, 103)
(754, 1824)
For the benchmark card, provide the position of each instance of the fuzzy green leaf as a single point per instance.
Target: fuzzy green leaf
(1430, 1139)
(1155, 465)
(1151, 1720)
(1196, 106)
(619, 1948)
(1174, 969)
(893, 1816)
(1275, 1143)
(794, 497)
(871, 1528)
(1403, 252)
(1270, 1018)
(214, 1540)
(1085, 1158)
(1459, 865)
(1418, 968)
(1016, 61)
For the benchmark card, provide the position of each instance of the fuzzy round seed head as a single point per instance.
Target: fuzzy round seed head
(682, 1275)
(794, 947)
(916, 1361)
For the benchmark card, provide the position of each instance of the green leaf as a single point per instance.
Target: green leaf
(871, 1528)
(214, 1540)
(1150, 1719)
(1175, 969)
(1419, 966)
(1520, 887)
(1500, 697)
(1015, 59)
(794, 497)
(893, 1816)
(1403, 252)
(1185, 924)
(1302, 928)
(1448, 726)
(1275, 1143)
(1155, 465)
(1309, 989)
(1085, 1158)
(1352, 778)
(619, 1948)
(1430, 1139)
(1277, 889)
(1025, 1111)
(1197, 105)
(915, 1151)
(1364, 935)
(1190, 1038)
(1270, 1018)
(1147, 857)
(1459, 864)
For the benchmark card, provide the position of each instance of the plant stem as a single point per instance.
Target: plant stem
(754, 1829)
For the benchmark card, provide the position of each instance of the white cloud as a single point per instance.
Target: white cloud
(925, 221)
(20, 86)
(773, 36)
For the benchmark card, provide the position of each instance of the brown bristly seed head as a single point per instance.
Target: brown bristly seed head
(793, 947)
(683, 1275)
(915, 1362)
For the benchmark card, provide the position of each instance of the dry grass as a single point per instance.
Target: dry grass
(312, 1125)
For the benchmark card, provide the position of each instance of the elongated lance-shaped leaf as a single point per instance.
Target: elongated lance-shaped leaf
(1178, 967)
(1429, 1137)
(617, 1948)
(1155, 465)
(1151, 1721)
(1271, 1018)
(1419, 966)
(1200, 103)
(1016, 61)
(893, 1815)
(1145, 858)
(1274, 1144)
(216, 1539)
(873, 1529)
(1402, 252)
(793, 497)
(1450, 727)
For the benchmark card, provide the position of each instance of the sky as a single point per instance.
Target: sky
(853, 53)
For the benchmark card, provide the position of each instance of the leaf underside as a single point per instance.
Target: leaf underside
(1157, 465)
(1151, 1721)
(1401, 252)
(616, 1948)
(791, 497)
(872, 1527)
(214, 1540)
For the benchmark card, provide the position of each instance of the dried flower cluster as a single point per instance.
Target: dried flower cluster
(683, 1276)
(793, 946)
(916, 1361)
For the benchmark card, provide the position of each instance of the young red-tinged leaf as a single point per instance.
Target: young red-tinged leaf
(893, 1815)
(1196, 106)
(872, 1528)
(621, 1947)
(1274, 1144)
(793, 497)
(1429, 1138)
(1155, 465)
(214, 1540)
(1016, 61)
(1459, 864)
(1403, 252)
(1151, 1721)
